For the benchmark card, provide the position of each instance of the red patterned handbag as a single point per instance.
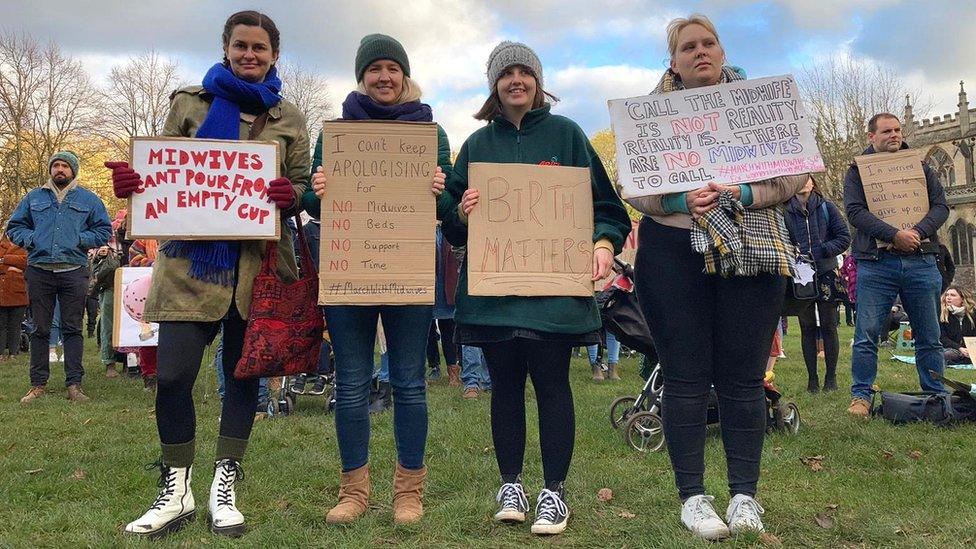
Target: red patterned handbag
(284, 328)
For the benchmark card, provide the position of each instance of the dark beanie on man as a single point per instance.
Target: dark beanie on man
(374, 47)
(68, 157)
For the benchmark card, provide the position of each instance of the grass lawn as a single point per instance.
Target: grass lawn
(72, 475)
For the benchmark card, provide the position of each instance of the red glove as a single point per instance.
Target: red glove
(125, 180)
(281, 193)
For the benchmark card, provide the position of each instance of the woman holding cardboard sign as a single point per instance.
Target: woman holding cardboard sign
(712, 314)
(530, 336)
(199, 286)
(386, 92)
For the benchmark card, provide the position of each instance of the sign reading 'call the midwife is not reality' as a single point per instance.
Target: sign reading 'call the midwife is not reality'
(731, 133)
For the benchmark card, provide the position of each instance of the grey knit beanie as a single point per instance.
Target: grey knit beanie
(374, 47)
(65, 156)
(507, 54)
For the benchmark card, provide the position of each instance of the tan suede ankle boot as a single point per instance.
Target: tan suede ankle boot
(408, 494)
(353, 496)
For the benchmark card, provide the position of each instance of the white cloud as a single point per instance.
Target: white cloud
(584, 91)
(455, 115)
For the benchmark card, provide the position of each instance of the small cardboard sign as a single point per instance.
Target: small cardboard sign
(128, 329)
(971, 347)
(894, 186)
(203, 189)
(379, 217)
(531, 233)
(742, 131)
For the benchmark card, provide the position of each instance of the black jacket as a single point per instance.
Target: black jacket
(818, 230)
(870, 228)
(955, 330)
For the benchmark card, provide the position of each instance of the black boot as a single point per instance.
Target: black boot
(384, 398)
(813, 384)
(830, 380)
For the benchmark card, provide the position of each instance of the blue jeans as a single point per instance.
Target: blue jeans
(613, 350)
(353, 331)
(917, 280)
(56, 325)
(474, 369)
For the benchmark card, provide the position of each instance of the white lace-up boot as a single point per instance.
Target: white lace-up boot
(173, 508)
(224, 517)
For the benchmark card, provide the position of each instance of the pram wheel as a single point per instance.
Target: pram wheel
(787, 417)
(645, 432)
(621, 410)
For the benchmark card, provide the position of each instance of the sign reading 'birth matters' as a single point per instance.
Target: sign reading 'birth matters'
(894, 186)
(203, 189)
(531, 233)
(732, 133)
(378, 215)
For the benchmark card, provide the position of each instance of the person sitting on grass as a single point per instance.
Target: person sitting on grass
(956, 323)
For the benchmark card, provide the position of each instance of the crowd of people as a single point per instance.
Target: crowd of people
(714, 311)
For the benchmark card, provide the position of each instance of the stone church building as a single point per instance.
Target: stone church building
(947, 143)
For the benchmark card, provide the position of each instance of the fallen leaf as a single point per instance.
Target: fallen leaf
(815, 463)
(832, 506)
(87, 421)
(627, 514)
(33, 471)
(79, 474)
(825, 521)
(282, 504)
(902, 531)
(887, 454)
(777, 449)
(770, 539)
(915, 454)
(605, 494)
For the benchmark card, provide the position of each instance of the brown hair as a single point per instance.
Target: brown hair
(493, 105)
(968, 303)
(252, 18)
(873, 123)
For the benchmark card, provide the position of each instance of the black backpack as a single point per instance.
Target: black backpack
(937, 408)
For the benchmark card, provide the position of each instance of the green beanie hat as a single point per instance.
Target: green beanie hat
(380, 46)
(65, 156)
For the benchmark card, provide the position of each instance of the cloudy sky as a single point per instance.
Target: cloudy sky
(591, 51)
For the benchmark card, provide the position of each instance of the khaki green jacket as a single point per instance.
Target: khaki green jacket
(175, 296)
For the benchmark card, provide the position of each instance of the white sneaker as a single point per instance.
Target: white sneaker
(173, 508)
(744, 515)
(513, 503)
(224, 517)
(700, 517)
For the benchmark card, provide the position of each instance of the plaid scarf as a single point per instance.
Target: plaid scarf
(740, 242)
(734, 240)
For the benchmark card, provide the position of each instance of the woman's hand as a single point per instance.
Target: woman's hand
(318, 183)
(700, 201)
(963, 350)
(281, 193)
(437, 186)
(469, 200)
(602, 263)
(125, 181)
(718, 188)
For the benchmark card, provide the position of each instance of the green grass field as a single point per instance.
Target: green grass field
(72, 475)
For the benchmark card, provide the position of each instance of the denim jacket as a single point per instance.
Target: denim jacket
(59, 233)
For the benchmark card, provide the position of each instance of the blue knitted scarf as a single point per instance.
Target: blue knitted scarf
(214, 261)
(359, 106)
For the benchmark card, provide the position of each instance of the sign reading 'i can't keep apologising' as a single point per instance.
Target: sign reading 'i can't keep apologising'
(742, 131)
(378, 214)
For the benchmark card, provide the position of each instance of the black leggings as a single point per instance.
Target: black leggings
(548, 364)
(446, 328)
(829, 317)
(11, 319)
(180, 351)
(709, 331)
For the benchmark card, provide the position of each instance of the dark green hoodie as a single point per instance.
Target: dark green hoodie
(542, 138)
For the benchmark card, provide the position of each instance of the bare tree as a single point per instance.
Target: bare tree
(47, 103)
(840, 96)
(136, 99)
(310, 92)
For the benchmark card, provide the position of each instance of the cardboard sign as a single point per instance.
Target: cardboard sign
(378, 216)
(531, 233)
(970, 343)
(128, 329)
(732, 133)
(203, 189)
(894, 186)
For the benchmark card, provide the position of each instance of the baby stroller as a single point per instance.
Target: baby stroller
(288, 388)
(640, 416)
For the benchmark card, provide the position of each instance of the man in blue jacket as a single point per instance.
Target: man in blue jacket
(57, 224)
(892, 263)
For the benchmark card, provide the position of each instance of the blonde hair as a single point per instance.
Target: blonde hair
(677, 25)
(968, 303)
(411, 91)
